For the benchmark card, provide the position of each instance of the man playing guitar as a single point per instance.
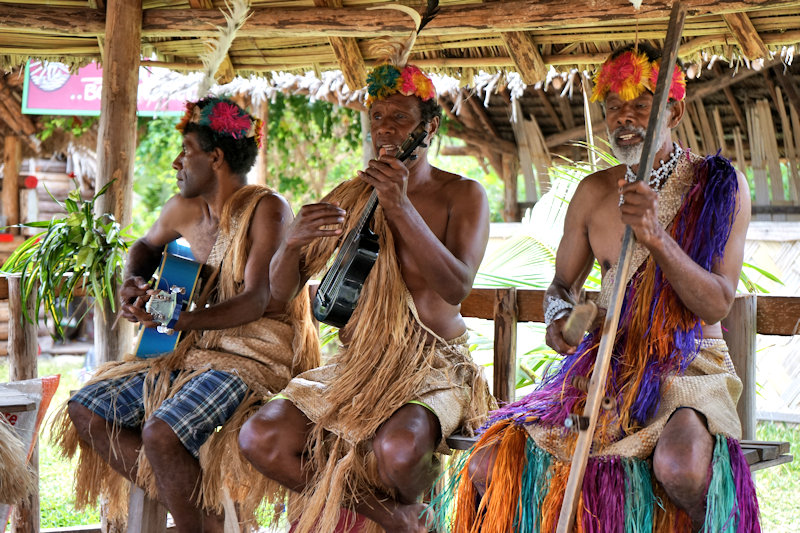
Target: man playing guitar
(234, 352)
(363, 431)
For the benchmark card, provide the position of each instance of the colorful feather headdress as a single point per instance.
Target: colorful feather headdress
(630, 74)
(392, 73)
(224, 117)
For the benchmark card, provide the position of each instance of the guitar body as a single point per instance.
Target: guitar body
(358, 254)
(174, 271)
(338, 292)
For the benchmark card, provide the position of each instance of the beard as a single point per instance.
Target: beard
(630, 154)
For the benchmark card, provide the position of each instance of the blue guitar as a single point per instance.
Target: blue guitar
(177, 280)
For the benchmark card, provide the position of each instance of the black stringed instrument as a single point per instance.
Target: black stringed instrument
(341, 286)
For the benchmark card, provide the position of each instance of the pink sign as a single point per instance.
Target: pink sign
(50, 89)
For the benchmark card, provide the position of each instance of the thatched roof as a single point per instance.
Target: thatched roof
(465, 37)
(526, 60)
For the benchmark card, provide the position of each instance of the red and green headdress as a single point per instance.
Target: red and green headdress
(224, 117)
(630, 74)
(386, 80)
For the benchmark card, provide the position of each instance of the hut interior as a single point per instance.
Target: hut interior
(521, 69)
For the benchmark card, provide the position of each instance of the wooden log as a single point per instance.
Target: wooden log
(478, 138)
(505, 344)
(788, 148)
(116, 136)
(11, 160)
(549, 109)
(475, 19)
(22, 365)
(739, 330)
(524, 51)
(746, 35)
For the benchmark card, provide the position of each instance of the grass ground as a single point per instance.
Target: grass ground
(778, 487)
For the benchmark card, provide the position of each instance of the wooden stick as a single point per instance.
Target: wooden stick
(597, 383)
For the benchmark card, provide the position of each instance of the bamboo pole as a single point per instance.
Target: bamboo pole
(597, 382)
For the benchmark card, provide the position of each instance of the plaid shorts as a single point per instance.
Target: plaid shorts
(199, 407)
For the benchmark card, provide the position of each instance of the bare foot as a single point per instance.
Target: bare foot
(406, 519)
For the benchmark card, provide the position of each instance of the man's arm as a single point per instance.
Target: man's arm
(574, 260)
(707, 294)
(313, 221)
(267, 229)
(144, 256)
(449, 266)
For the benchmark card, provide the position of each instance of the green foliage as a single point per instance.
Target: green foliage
(154, 178)
(79, 251)
(77, 126)
(312, 146)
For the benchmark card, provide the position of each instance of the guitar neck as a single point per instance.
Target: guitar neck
(369, 210)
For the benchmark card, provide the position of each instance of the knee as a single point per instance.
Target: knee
(82, 418)
(479, 467)
(260, 440)
(158, 436)
(400, 452)
(682, 468)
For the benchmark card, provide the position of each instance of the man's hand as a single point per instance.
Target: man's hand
(389, 176)
(639, 210)
(555, 339)
(314, 221)
(133, 295)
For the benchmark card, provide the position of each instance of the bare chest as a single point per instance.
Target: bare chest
(201, 236)
(605, 230)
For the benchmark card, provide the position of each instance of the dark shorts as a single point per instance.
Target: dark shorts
(199, 407)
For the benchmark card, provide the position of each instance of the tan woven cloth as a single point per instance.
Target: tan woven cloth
(265, 354)
(447, 390)
(709, 386)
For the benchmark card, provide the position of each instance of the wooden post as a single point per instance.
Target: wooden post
(505, 344)
(739, 331)
(116, 140)
(11, 155)
(145, 514)
(22, 347)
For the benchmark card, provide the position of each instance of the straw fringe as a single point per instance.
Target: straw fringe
(376, 374)
(17, 481)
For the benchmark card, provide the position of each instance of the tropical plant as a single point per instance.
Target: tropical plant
(80, 253)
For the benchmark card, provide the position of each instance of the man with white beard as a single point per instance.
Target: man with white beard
(673, 428)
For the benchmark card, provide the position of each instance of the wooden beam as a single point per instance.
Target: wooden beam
(347, 53)
(746, 35)
(505, 344)
(713, 86)
(11, 160)
(23, 122)
(22, 348)
(788, 85)
(737, 109)
(549, 109)
(486, 18)
(739, 331)
(225, 73)
(475, 19)
(480, 112)
(116, 142)
(576, 134)
(480, 138)
(524, 51)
